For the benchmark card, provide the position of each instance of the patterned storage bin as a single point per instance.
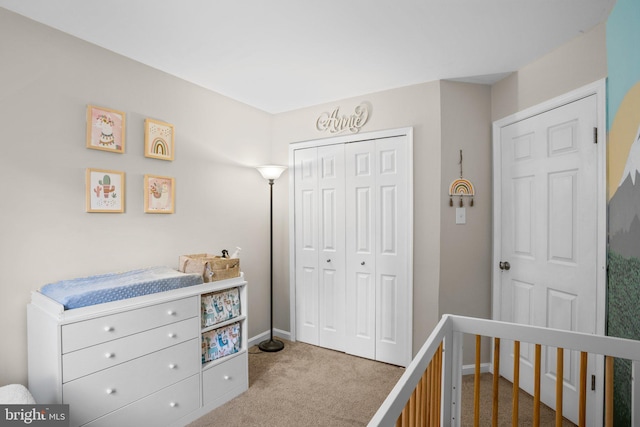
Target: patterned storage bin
(220, 306)
(221, 342)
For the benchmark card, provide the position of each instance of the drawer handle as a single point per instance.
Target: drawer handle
(172, 335)
(171, 313)
(173, 366)
(173, 404)
(227, 377)
(108, 328)
(109, 355)
(111, 390)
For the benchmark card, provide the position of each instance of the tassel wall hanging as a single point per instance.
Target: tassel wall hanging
(461, 188)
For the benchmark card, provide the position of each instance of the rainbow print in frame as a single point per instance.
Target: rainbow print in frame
(158, 139)
(105, 129)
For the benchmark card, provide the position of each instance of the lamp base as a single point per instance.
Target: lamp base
(271, 345)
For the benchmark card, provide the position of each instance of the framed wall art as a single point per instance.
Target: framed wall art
(105, 191)
(159, 194)
(105, 129)
(158, 139)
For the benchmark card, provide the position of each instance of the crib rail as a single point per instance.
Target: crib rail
(429, 392)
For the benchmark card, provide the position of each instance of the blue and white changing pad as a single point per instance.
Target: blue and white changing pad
(81, 292)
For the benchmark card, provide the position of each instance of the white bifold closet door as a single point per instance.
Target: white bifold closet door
(353, 253)
(320, 256)
(378, 323)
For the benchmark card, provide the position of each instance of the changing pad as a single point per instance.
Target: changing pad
(81, 292)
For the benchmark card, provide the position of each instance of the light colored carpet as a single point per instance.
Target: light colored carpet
(305, 385)
(505, 399)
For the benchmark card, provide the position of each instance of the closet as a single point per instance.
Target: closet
(352, 244)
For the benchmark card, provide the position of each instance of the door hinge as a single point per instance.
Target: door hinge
(593, 382)
(595, 135)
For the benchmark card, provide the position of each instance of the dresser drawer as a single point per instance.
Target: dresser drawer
(95, 331)
(111, 353)
(159, 409)
(228, 377)
(97, 394)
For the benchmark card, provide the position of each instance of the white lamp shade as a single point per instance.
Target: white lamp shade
(271, 171)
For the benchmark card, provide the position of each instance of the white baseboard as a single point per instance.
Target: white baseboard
(265, 336)
(471, 369)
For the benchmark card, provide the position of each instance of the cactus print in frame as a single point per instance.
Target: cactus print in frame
(105, 191)
(105, 129)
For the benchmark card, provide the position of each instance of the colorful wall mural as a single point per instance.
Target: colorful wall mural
(623, 126)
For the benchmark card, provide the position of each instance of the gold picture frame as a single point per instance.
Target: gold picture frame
(159, 139)
(105, 129)
(159, 194)
(105, 190)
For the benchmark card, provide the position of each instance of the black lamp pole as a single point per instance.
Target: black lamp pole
(271, 345)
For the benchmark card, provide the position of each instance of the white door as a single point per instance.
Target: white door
(549, 238)
(307, 246)
(320, 258)
(352, 222)
(393, 299)
(332, 243)
(361, 253)
(378, 250)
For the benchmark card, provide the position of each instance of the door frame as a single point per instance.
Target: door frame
(597, 88)
(344, 139)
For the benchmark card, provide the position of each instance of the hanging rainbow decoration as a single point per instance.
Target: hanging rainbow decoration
(463, 188)
(159, 146)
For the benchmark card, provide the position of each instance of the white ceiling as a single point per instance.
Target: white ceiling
(281, 55)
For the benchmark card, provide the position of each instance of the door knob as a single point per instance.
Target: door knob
(504, 265)
(329, 260)
(362, 263)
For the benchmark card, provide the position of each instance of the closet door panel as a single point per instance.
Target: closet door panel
(393, 301)
(360, 246)
(307, 251)
(332, 246)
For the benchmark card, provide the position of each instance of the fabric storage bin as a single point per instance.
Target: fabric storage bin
(221, 342)
(220, 306)
(211, 267)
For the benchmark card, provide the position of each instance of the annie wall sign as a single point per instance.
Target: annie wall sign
(461, 187)
(334, 123)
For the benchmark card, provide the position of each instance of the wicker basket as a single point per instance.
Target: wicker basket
(212, 267)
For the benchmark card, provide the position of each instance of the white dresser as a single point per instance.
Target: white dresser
(138, 361)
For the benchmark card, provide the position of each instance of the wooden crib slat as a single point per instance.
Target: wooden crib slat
(430, 407)
(559, 385)
(439, 384)
(412, 409)
(432, 391)
(476, 385)
(425, 397)
(608, 391)
(419, 399)
(536, 386)
(516, 383)
(582, 404)
(496, 376)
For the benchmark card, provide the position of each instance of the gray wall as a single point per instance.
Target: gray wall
(580, 61)
(47, 79)
(465, 249)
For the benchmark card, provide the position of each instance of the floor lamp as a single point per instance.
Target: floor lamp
(271, 173)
